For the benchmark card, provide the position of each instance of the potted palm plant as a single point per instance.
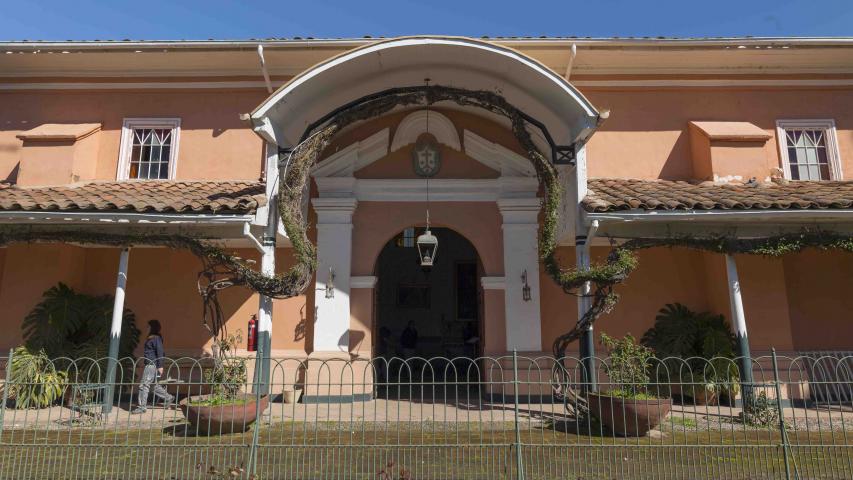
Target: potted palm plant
(628, 408)
(227, 408)
(697, 354)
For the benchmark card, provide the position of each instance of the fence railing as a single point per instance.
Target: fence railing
(390, 418)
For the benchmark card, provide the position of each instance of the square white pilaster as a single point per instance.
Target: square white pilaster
(334, 260)
(520, 233)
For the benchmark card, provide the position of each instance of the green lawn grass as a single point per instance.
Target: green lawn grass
(429, 450)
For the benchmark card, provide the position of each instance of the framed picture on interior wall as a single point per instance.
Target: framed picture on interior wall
(413, 295)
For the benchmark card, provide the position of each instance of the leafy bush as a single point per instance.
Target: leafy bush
(701, 341)
(627, 367)
(762, 413)
(70, 324)
(681, 332)
(227, 378)
(34, 382)
(229, 372)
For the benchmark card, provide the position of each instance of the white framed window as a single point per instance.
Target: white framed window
(149, 148)
(808, 149)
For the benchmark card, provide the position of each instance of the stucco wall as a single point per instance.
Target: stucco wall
(161, 284)
(214, 143)
(647, 136)
(789, 304)
(819, 300)
(777, 314)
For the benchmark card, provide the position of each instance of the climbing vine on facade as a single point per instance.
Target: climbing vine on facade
(223, 269)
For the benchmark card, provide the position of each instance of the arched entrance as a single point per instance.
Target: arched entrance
(428, 313)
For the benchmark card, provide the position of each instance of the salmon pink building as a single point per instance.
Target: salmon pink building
(652, 138)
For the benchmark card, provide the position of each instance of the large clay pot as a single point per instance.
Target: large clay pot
(698, 394)
(222, 419)
(629, 417)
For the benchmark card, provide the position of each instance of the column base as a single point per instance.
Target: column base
(335, 377)
(534, 376)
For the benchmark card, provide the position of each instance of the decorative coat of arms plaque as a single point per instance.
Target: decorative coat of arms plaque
(426, 158)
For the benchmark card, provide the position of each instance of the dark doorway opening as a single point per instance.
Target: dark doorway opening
(430, 314)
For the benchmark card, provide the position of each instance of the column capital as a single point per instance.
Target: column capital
(520, 210)
(334, 210)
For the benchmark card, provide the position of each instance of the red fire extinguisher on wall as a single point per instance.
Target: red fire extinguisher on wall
(252, 341)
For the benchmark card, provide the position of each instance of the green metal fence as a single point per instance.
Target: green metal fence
(509, 417)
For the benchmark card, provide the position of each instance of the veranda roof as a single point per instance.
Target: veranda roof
(232, 197)
(614, 195)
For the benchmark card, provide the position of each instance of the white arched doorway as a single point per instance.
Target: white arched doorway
(356, 216)
(558, 118)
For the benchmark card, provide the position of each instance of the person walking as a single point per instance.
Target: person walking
(153, 358)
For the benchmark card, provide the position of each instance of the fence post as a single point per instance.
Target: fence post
(256, 388)
(519, 463)
(5, 392)
(782, 430)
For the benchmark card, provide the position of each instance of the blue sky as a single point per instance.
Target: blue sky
(235, 19)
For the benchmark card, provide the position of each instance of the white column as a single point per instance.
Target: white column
(118, 302)
(265, 303)
(268, 245)
(736, 302)
(520, 233)
(334, 260)
(739, 320)
(582, 263)
(115, 329)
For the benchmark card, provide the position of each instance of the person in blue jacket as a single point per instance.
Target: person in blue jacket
(153, 357)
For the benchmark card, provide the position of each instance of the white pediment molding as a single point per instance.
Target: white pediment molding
(497, 157)
(354, 157)
(415, 124)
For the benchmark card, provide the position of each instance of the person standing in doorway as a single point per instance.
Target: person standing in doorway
(153, 359)
(409, 344)
(409, 340)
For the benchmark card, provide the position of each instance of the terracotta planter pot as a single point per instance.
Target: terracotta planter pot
(697, 393)
(628, 417)
(222, 419)
(291, 396)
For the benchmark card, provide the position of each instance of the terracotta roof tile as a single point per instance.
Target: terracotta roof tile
(610, 194)
(138, 197)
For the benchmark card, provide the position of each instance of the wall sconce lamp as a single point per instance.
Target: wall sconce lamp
(525, 288)
(330, 284)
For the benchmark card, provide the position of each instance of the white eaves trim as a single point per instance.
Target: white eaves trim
(122, 218)
(721, 215)
(248, 84)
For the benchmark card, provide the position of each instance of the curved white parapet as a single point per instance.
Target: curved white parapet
(404, 62)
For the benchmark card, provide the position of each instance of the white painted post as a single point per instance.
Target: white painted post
(739, 320)
(576, 191)
(264, 342)
(521, 253)
(334, 263)
(115, 329)
(587, 341)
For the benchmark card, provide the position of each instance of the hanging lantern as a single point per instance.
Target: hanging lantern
(427, 161)
(427, 245)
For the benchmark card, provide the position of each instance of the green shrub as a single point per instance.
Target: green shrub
(71, 324)
(228, 374)
(227, 378)
(700, 341)
(34, 382)
(627, 367)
